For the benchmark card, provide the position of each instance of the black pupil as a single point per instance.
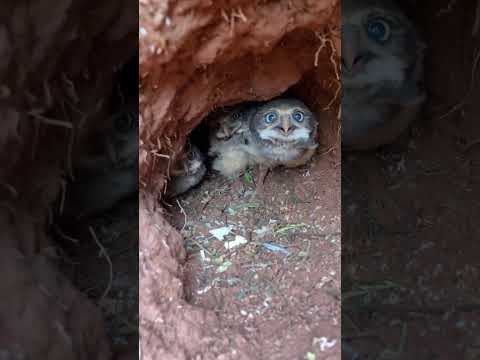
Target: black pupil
(377, 29)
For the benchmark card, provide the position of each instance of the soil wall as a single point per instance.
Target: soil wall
(58, 61)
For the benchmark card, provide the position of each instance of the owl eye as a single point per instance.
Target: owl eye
(270, 117)
(298, 116)
(378, 30)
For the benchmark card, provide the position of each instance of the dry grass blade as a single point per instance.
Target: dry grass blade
(103, 252)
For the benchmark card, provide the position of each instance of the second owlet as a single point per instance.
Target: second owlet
(278, 132)
(382, 73)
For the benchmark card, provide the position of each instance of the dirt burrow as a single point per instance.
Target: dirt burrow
(196, 56)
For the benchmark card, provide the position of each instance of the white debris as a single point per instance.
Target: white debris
(324, 343)
(239, 240)
(220, 233)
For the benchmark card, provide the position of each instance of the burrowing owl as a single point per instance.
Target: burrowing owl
(278, 132)
(382, 72)
(188, 171)
(109, 174)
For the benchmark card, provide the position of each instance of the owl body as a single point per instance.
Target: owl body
(382, 73)
(279, 132)
(187, 172)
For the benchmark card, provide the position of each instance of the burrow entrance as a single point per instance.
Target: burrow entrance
(287, 255)
(270, 266)
(256, 262)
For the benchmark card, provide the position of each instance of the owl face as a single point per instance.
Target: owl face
(379, 44)
(190, 162)
(283, 120)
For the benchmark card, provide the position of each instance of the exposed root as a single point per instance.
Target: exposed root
(182, 210)
(230, 19)
(335, 97)
(325, 38)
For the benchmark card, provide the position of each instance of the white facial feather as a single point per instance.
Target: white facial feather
(298, 134)
(387, 69)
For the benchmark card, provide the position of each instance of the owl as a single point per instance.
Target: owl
(382, 73)
(108, 175)
(117, 143)
(188, 172)
(278, 132)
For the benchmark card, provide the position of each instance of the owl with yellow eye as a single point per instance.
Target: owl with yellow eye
(280, 132)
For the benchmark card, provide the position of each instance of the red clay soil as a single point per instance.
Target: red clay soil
(61, 75)
(199, 55)
(411, 212)
(286, 307)
(196, 56)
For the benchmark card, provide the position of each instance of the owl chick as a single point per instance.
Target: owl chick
(109, 175)
(278, 132)
(187, 172)
(382, 73)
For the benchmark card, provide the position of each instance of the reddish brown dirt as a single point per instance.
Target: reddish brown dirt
(196, 56)
(61, 75)
(410, 214)
(284, 306)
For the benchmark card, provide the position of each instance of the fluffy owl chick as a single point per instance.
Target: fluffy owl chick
(187, 172)
(382, 73)
(278, 132)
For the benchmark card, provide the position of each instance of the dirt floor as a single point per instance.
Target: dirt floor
(410, 267)
(275, 276)
(104, 266)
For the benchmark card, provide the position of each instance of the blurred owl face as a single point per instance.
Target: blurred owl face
(284, 120)
(379, 43)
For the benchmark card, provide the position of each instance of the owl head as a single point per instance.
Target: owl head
(283, 121)
(379, 43)
(190, 161)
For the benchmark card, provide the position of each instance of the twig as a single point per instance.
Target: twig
(182, 210)
(65, 236)
(103, 252)
(11, 189)
(50, 121)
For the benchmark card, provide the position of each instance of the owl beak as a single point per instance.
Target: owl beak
(287, 126)
(352, 55)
